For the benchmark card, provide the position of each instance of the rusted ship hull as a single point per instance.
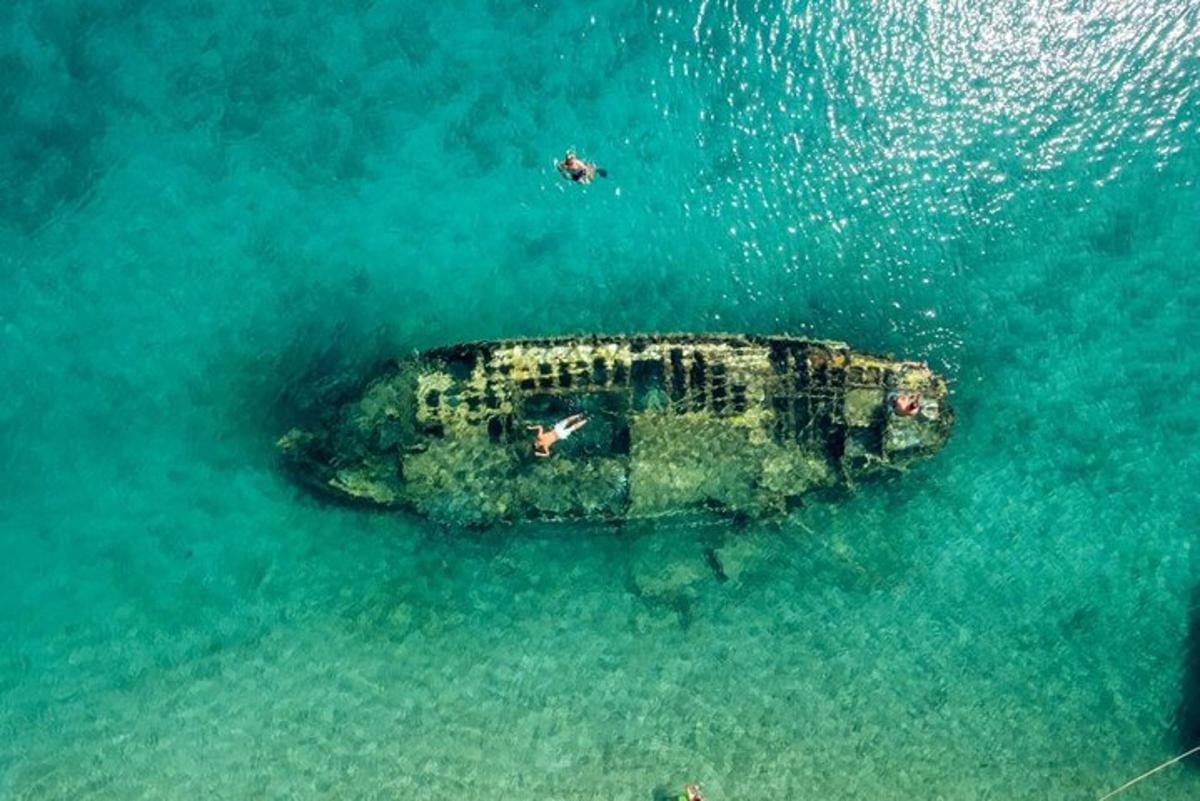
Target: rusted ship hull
(743, 425)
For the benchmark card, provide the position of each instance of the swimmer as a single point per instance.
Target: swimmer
(579, 171)
(543, 439)
(691, 792)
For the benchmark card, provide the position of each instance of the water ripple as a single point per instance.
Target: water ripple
(889, 131)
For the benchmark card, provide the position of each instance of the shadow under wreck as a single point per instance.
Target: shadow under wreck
(677, 424)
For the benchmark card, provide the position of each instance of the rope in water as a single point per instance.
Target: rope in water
(1150, 773)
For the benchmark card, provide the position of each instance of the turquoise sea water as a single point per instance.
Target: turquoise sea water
(213, 214)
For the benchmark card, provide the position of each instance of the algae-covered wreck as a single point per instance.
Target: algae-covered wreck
(744, 425)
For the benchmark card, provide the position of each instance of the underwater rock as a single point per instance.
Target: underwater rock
(668, 579)
(744, 553)
(677, 424)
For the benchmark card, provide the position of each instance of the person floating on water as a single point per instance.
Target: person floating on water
(543, 439)
(578, 170)
(691, 792)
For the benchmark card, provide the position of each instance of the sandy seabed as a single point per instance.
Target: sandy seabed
(214, 215)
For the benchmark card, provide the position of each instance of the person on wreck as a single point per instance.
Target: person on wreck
(906, 404)
(543, 439)
(578, 170)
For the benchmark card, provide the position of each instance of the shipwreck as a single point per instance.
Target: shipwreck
(676, 425)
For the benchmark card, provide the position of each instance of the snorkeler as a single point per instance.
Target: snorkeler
(691, 792)
(579, 171)
(564, 428)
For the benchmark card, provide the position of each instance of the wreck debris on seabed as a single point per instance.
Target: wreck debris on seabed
(677, 424)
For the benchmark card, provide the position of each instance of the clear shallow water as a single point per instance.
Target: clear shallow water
(208, 210)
